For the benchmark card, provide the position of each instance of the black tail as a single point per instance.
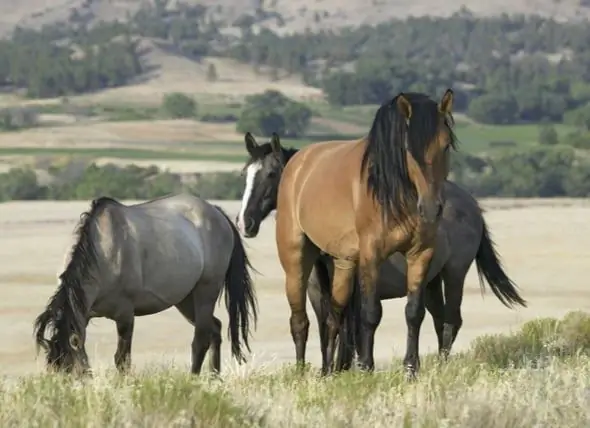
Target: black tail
(240, 297)
(490, 268)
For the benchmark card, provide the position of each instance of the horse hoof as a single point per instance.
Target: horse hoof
(410, 373)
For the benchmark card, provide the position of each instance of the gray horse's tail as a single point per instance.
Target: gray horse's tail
(240, 297)
(489, 267)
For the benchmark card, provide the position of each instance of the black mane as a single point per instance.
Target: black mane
(385, 156)
(66, 311)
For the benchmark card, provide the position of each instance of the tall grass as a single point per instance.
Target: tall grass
(497, 383)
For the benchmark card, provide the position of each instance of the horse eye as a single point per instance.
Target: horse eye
(272, 174)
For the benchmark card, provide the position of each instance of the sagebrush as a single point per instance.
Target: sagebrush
(490, 385)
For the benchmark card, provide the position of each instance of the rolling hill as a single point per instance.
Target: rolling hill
(288, 16)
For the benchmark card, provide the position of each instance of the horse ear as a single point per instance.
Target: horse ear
(404, 106)
(251, 143)
(446, 102)
(275, 143)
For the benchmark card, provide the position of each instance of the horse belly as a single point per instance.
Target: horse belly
(329, 223)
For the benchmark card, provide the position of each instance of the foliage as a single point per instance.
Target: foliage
(212, 73)
(504, 69)
(536, 342)
(548, 135)
(553, 171)
(477, 388)
(179, 106)
(73, 182)
(272, 111)
(45, 66)
(15, 118)
(536, 172)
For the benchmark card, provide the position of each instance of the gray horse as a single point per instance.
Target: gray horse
(463, 237)
(141, 259)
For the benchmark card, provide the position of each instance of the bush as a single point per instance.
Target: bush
(271, 112)
(18, 118)
(548, 135)
(77, 182)
(493, 109)
(536, 342)
(179, 106)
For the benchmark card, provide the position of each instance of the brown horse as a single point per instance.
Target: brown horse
(463, 238)
(360, 202)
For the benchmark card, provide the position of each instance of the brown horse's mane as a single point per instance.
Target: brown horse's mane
(387, 171)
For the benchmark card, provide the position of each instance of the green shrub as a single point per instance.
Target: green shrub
(179, 106)
(535, 342)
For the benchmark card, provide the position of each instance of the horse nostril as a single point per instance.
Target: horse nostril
(249, 223)
(440, 210)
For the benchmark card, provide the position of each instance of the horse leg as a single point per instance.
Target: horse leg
(418, 263)
(123, 353)
(318, 297)
(198, 308)
(435, 304)
(454, 283)
(341, 292)
(215, 355)
(370, 305)
(297, 255)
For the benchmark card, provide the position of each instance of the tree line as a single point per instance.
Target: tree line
(57, 61)
(542, 172)
(505, 69)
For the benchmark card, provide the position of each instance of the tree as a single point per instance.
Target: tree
(493, 109)
(579, 117)
(212, 73)
(548, 135)
(271, 112)
(178, 105)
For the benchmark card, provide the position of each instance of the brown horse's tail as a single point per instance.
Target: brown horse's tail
(489, 267)
(240, 297)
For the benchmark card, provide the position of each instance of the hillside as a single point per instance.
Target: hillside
(289, 16)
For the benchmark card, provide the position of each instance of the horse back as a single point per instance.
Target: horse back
(318, 193)
(187, 224)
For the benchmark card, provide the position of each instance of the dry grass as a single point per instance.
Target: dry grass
(479, 387)
(465, 392)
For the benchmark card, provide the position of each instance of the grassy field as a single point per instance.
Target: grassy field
(539, 376)
(139, 131)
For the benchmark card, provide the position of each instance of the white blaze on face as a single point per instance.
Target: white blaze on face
(251, 172)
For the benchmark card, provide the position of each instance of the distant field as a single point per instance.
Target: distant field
(135, 132)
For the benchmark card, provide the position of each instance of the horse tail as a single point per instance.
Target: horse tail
(240, 297)
(489, 267)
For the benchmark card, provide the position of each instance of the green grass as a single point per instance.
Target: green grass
(122, 153)
(473, 389)
(474, 138)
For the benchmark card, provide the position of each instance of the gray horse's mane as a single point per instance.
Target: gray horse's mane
(67, 310)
